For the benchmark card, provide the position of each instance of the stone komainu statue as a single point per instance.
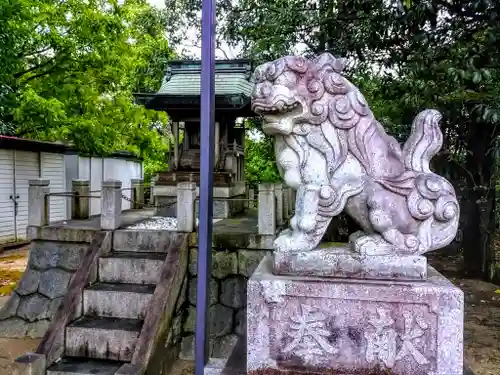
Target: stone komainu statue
(331, 149)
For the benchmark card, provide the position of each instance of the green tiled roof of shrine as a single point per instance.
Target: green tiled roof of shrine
(232, 77)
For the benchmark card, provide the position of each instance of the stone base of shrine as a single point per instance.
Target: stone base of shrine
(349, 326)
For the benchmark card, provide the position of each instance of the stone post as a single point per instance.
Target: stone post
(111, 204)
(278, 192)
(293, 197)
(267, 209)
(175, 126)
(286, 202)
(216, 143)
(291, 201)
(251, 196)
(186, 195)
(80, 208)
(137, 185)
(38, 202)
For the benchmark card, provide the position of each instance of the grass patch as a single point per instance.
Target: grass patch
(322, 245)
(8, 280)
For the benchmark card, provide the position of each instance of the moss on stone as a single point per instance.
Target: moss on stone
(323, 245)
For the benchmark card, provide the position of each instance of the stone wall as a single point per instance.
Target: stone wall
(231, 268)
(34, 302)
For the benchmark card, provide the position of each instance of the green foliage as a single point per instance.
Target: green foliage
(69, 70)
(260, 161)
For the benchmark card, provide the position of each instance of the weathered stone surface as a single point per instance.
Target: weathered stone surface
(193, 261)
(224, 263)
(241, 322)
(29, 282)
(223, 346)
(221, 320)
(49, 254)
(182, 295)
(234, 292)
(102, 338)
(126, 301)
(111, 204)
(85, 366)
(131, 267)
(54, 282)
(174, 335)
(190, 322)
(248, 260)
(13, 328)
(54, 305)
(405, 328)
(10, 307)
(61, 233)
(29, 364)
(142, 240)
(214, 291)
(187, 348)
(267, 209)
(37, 329)
(34, 307)
(342, 261)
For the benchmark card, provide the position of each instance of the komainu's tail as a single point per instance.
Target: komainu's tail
(433, 200)
(424, 142)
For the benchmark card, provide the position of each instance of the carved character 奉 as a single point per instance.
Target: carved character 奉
(331, 149)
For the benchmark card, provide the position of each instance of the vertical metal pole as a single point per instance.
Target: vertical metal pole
(206, 182)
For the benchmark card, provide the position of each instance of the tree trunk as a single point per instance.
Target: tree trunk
(479, 254)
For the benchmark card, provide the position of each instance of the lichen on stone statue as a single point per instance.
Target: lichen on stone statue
(332, 150)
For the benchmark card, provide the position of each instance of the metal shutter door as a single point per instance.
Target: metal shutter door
(26, 167)
(53, 169)
(7, 222)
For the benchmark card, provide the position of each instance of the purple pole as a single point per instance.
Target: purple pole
(207, 119)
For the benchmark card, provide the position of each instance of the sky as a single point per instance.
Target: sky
(191, 39)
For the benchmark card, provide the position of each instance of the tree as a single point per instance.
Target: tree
(69, 70)
(260, 163)
(408, 56)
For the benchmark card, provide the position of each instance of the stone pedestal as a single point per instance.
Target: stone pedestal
(352, 326)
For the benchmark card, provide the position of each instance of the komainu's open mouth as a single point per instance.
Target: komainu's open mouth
(279, 107)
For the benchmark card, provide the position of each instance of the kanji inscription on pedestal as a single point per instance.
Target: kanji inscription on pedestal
(381, 342)
(308, 334)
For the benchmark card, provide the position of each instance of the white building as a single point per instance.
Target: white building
(22, 160)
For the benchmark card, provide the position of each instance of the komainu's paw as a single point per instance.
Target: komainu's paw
(373, 244)
(293, 242)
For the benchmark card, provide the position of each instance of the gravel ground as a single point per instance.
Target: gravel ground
(160, 223)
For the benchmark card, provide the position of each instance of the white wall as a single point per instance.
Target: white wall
(112, 169)
(18, 167)
(53, 168)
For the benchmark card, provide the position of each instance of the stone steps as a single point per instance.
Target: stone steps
(131, 267)
(84, 366)
(129, 301)
(114, 308)
(141, 241)
(102, 338)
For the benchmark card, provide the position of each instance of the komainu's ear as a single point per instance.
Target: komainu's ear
(337, 64)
